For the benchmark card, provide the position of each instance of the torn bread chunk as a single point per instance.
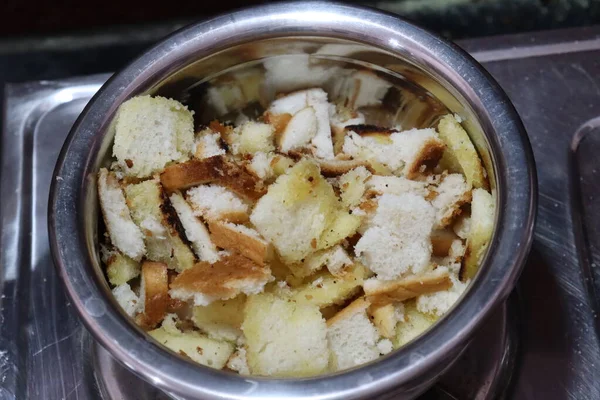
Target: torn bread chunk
(268, 166)
(240, 238)
(123, 232)
(127, 299)
(353, 185)
(352, 337)
(361, 88)
(386, 317)
(336, 259)
(217, 169)
(284, 339)
(151, 132)
(339, 118)
(208, 144)
(483, 211)
(325, 289)
(335, 167)
(251, 137)
(462, 226)
(396, 185)
(317, 100)
(420, 148)
(223, 280)
(238, 362)
(384, 292)
(165, 239)
(438, 303)
(195, 230)
(460, 155)
(413, 324)
(442, 241)
(301, 214)
(195, 346)
(450, 195)
(214, 202)
(299, 131)
(120, 269)
(398, 241)
(154, 287)
(221, 320)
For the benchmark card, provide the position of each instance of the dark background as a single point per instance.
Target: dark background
(57, 39)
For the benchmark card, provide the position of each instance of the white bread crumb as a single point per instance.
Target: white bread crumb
(352, 337)
(252, 137)
(208, 144)
(385, 346)
(150, 132)
(261, 165)
(214, 202)
(127, 299)
(195, 230)
(238, 362)
(124, 233)
(399, 240)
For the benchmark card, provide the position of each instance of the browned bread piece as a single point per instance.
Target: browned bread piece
(213, 169)
(241, 239)
(278, 121)
(428, 156)
(385, 292)
(154, 293)
(384, 318)
(441, 241)
(223, 280)
(335, 167)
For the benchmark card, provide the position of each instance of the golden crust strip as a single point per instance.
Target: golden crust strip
(336, 167)
(385, 292)
(430, 155)
(213, 169)
(357, 306)
(228, 238)
(156, 287)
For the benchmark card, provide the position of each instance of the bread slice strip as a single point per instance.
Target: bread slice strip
(195, 230)
(223, 280)
(336, 167)
(151, 132)
(352, 337)
(214, 202)
(450, 195)
(213, 169)
(240, 238)
(385, 317)
(283, 338)
(336, 259)
(460, 155)
(483, 210)
(123, 232)
(384, 292)
(164, 236)
(299, 131)
(154, 287)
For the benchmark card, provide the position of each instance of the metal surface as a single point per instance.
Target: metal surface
(201, 52)
(40, 116)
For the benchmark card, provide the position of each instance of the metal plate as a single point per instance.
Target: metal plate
(554, 81)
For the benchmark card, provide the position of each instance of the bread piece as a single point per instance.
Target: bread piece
(195, 346)
(223, 280)
(242, 239)
(325, 289)
(163, 233)
(299, 131)
(335, 167)
(151, 132)
(398, 239)
(284, 339)
(123, 232)
(384, 292)
(154, 287)
(317, 100)
(414, 324)
(483, 212)
(120, 269)
(208, 144)
(460, 154)
(336, 259)
(386, 317)
(215, 169)
(462, 226)
(221, 320)
(296, 212)
(127, 299)
(251, 137)
(438, 303)
(441, 241)
(214, 202)
(352, 337)
(238, 362)
(360, 89)
(353, 185)
(339, 118)
(451, 194)
(396, 185)
(195, 230)
(420, 148)
(277, 121)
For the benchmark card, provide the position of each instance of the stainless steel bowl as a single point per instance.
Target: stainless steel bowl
(285, 47)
